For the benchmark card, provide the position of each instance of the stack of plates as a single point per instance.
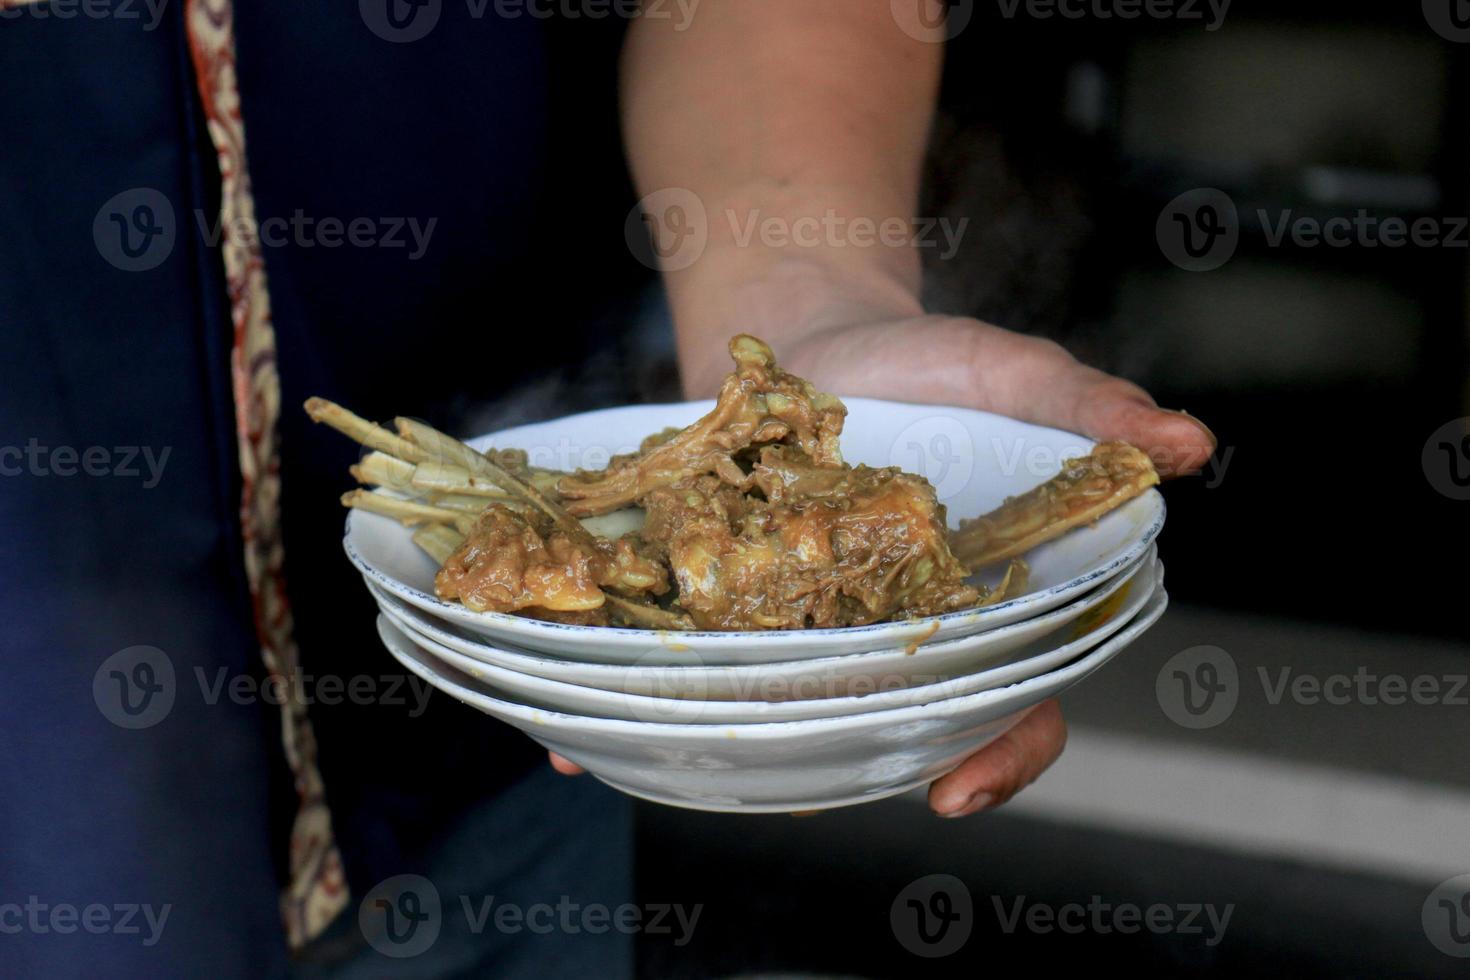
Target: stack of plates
(788, 720)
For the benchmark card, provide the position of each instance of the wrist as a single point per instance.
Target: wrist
(785, 297)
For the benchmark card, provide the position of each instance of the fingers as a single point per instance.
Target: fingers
(960, 361)
(564, 765)
(1038, 381)
(1004, 767)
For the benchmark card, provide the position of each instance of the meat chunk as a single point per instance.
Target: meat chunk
(829, 546)
(512, 560)
(759, 403)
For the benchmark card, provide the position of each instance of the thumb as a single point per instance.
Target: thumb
(960, 361)
(1036, 380)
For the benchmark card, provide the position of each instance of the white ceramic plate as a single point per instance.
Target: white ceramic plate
(778, 766)
(1052, 650)
(974, 459)
(846, 675)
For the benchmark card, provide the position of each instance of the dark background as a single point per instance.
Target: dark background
(1323, 371)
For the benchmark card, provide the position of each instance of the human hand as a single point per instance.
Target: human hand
(960, 361)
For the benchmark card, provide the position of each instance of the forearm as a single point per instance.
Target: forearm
(772, 111)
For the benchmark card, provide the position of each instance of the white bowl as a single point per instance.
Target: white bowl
(849, 675)
(975, 460)
(778, 766)
(1054, 649)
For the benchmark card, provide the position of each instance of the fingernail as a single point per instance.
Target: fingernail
(1206, 428)
(974, 804)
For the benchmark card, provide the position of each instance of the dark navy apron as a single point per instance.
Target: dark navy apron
(144, 815)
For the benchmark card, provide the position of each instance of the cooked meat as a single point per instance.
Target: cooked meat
(512, 560)
(828, 547)
(1086, 489)
(759, 403)
(751, 510)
